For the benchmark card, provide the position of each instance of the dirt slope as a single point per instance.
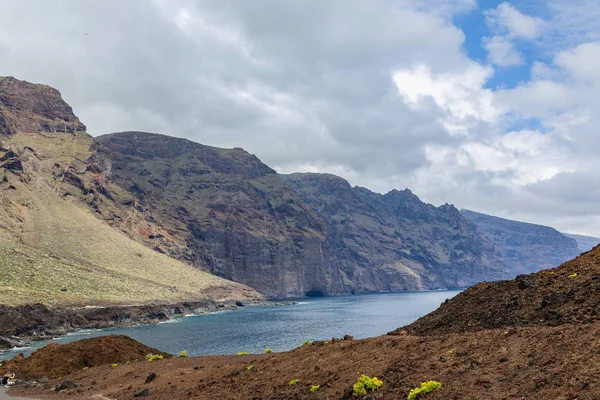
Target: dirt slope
(530, 363)
(568, 294)
(56, 360)
(55, 250)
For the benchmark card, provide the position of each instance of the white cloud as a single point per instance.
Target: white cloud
(510, 25)
(509, 21)
(459, 94)
(581, 62)
(501, 51)
(378, 91)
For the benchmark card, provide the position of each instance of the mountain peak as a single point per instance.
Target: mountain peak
(30, 108)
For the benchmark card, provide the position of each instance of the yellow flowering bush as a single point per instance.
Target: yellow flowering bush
(424, 389)
(365, 384)
(152, 357)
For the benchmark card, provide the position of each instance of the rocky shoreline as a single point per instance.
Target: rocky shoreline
(22, 324)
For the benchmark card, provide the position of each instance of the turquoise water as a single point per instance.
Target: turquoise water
(280, 328)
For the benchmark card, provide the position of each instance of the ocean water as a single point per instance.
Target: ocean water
(280, 328)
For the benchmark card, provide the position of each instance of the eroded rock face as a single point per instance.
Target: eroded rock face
(32, 108)
(225, 212)
(395, 241)
(522, 246)
(293, 235)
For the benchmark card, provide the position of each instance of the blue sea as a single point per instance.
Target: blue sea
(280, 328)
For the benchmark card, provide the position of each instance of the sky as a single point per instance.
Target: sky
(489, 105)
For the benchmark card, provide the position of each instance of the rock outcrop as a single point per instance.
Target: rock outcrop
(524, 247)
(28, 107)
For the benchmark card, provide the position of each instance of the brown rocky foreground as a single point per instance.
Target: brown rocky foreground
(530, 363)
(536, 337)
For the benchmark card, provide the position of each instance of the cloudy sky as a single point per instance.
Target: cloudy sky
(492, 106)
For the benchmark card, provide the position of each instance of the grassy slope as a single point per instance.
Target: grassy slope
(65, 246)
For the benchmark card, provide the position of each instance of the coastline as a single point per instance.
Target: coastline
(22, 325)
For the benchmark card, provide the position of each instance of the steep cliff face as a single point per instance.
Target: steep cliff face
(584, 243)
(225, 212)
(525, 247)
(32, 108)
(395, 241)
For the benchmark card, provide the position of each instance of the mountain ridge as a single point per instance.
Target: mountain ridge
(526, 247)
(225, 212)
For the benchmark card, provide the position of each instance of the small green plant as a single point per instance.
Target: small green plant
(294, 381)
(153, 357)
(114, 365)
(183, 354)
(314, 388)
(305, 342)
(366, 384)
(84, 368)
(327, 342)
(424, 389)
(127, 362)
(268, 351)
(250, 367)
(573, 275)
(242, 353)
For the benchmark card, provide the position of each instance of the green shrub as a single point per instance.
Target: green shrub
(365, 384)
(305, 342)
(114, 365)
(294, 381)
(268, 351)
(314, 388)
(424, 389)
(573, 275)
(183, 354)
(152, 357)
(250, 367)
(242, 353)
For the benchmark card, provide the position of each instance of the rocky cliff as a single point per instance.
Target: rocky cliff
(584, 243)
(32, 108)
(395, 241)
(524, 247)
(292, 235)
(223, 211)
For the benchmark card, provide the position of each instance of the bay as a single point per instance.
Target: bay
(279, 328)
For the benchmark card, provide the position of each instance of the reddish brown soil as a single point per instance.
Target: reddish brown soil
(547, 363)
(546, 346)
(549, 298)
(56, 360)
